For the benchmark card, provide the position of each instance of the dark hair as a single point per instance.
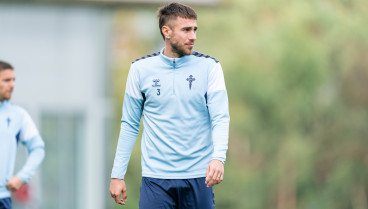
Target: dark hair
(5, 66)
(172, 11)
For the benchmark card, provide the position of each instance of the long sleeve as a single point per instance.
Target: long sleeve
(30, 137)
(218, 108)
(132, 111)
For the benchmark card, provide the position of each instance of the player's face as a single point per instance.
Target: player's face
(183, 36)
(7, 78)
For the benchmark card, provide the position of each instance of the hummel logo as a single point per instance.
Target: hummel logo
(156, 83)
(190, 79)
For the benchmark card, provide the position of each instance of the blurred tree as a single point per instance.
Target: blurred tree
(296, 74)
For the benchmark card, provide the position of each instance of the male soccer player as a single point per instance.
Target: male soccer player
(183, 98)
(15, 126)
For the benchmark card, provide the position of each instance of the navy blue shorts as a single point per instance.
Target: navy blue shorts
(5, 203)
(176, 193)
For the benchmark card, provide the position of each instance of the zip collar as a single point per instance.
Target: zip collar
(3, 103)
(174, 62)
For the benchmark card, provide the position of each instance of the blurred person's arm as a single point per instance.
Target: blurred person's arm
(14, 184)
(32, 140)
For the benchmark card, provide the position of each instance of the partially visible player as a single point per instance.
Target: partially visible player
(182, 96)
(15, 126)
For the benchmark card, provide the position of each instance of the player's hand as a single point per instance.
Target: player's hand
(214, 173)
(118, 190)
(14, 184)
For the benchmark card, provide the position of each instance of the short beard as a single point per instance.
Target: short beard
(5, 98)
(178, 51)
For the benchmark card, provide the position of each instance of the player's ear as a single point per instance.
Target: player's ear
(166, 31)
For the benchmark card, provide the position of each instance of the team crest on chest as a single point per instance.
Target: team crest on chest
(8, 121)
(190, 80)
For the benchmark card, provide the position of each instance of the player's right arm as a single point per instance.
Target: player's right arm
(118, 191)
(132, 112)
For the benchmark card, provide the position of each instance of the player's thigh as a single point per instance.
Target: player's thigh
(155, 194)
(5, 203)
(202, 196)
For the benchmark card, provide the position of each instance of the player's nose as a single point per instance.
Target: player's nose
(193, 35)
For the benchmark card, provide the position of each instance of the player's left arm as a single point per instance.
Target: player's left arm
(31, 139)
(218, 107)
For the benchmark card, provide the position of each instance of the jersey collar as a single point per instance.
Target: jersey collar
(3, 103)
(174, 62)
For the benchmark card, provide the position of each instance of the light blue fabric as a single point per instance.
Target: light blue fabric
(17, 126)
(185, 116)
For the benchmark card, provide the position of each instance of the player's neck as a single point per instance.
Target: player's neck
(168, 52)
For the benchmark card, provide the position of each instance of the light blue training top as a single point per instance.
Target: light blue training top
(17, 126)
(185, 116)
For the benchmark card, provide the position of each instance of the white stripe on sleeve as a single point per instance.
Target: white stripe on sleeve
(216, 80)
(132, 85)
(28, 129)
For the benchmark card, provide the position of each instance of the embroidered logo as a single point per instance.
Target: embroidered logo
(190, 79)
(8, 120)
(156, 83)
